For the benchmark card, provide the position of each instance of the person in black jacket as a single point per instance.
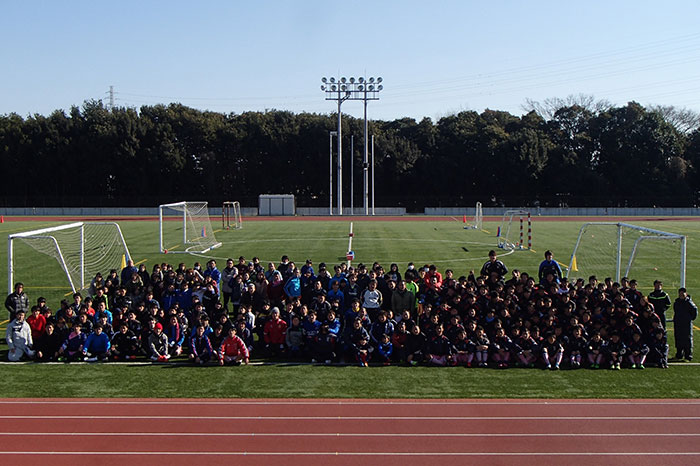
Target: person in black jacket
(415, 346)
(684, 313)
(47, 345)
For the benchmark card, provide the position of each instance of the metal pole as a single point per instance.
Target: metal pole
(365, 165)
(619, 253)
(373, 174)
(340, 159)
(352, 175)
(330, 174)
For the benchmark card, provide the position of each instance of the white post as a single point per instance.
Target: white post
(10, 265)
(184, 225)
(339, 181)
(160, 227)
(82, 256)
(619, 252)
(352, 175)
(683, 260)
(365, 165)
(330, 172)
(373, 174)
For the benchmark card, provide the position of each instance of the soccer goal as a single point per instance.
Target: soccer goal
(511, 233)
(82, 249)
(608, 249)
(185, 227)
(478, 222)
(231, 215)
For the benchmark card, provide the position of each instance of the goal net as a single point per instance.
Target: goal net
(515, 231)
(616, 250)
(231, 215)
(80, 251)
(185, 227)
(478, 222)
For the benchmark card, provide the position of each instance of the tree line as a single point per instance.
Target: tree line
(575, 153)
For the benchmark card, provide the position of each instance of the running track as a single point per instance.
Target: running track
(334, 432)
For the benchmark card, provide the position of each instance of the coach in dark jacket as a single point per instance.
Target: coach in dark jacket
(17, 301)
(684, 313)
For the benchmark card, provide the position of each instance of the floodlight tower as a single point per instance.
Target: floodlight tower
(340, 90)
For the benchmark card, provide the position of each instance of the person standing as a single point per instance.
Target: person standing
(549, 267)
(17, 301)
(684, 313)
(660, 300)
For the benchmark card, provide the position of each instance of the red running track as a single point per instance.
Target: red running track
(339, 432)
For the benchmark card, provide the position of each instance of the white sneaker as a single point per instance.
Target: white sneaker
(92, 359)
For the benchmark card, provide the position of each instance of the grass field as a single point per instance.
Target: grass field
(444, 243)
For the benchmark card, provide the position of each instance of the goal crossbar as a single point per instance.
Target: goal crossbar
(651, 235)
(45, 235)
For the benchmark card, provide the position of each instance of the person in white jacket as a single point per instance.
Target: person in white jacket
(19, 338)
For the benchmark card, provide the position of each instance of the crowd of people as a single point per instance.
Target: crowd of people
(355, 315)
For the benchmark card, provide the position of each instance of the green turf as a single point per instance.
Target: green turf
(444, 243)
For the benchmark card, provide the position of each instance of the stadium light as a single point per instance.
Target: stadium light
(340, 90)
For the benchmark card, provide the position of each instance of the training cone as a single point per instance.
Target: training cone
(2, 219)
(123, 261)
(574, 267)
(464, 219)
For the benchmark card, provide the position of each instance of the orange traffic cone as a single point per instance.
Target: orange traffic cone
(2, 219)
(464, 219)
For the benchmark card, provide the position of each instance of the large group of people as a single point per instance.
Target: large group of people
(357, 315)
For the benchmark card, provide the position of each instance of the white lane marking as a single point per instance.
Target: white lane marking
(328, 434)
(370, 418)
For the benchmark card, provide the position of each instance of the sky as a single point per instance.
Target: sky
(436, 58)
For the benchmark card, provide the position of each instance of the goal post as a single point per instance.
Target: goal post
(511, 236)
(478, 221)
(610, 249)
(82, 249)
(231, 215)
(185, 227)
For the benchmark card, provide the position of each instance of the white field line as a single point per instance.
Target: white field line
(365, 418)
(342, 453)
(350, 402)
(336, 435)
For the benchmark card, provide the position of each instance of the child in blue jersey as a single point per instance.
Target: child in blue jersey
(385, 349)
(97, 345)
(200, 347)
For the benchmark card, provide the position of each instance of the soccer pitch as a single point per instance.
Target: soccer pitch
(443, 242)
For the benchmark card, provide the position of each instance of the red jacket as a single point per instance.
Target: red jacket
(37, 325)
(275, 331)
(233, 346)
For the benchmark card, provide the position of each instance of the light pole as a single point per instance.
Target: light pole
(330, 173)
(340, 90)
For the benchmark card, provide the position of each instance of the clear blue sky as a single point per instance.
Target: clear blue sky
(436, 58)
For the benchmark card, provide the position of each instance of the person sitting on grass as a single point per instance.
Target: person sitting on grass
(324, 345)
(525, 348)
(97, 345)
(552, 352)
(615, 349)
(482, 343)
(637, 351)
(176, 337)
(72, 348)
(362, 351)
(200, 347)
(439, 348)
(398, 342)
(233, 350)
(125, 344)
(501, 347)
(158, 344)
(385, 350)
(244, 333)
(295, 338)
(576, 347)
(595, 351)
(19, 338)
(47, 345)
